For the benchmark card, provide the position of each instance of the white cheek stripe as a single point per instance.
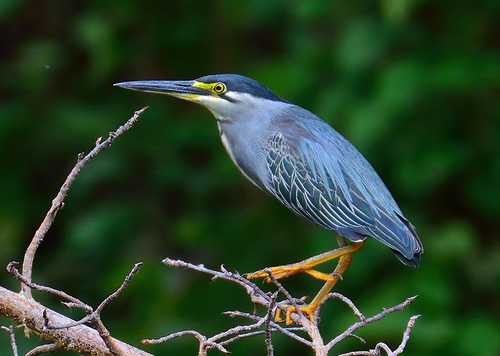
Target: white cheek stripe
(216, 103)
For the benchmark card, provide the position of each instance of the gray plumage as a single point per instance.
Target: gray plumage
(292, 154)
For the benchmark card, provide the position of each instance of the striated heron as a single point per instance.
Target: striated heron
(295, 156)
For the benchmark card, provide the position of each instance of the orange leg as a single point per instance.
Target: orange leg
(344, 253)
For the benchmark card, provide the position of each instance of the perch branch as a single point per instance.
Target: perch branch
(58, 201)
(268, 300)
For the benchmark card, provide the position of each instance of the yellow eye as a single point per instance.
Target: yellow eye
(219, 88)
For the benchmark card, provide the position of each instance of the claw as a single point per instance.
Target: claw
(306, 310)
(344, 253)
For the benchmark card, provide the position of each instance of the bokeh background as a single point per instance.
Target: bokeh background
(415, 85)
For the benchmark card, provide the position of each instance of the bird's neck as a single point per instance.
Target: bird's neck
(243, 146)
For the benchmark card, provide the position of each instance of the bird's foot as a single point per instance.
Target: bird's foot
(307, 311)
(289, 270)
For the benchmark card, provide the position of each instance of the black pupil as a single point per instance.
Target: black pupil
(218, 87)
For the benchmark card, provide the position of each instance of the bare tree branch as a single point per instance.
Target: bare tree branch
(13, 344)
(346, 301)
(406, 335)
(256, 294)
(311, 328)
(11, 268)
(65, 333)
(268, 329)
(289, 298)
(288, 331)
(382, 346)
(350, 330)
(120, 290)
(45, 349)
(80, 339)
(58, 201)
(93, 317)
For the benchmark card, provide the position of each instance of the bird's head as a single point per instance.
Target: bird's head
(225, 95)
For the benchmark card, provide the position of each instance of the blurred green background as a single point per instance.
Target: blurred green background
(415, 85)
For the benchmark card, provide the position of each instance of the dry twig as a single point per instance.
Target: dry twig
(45, 349)
(64, 332)
(81, 339)
(93, 317)
(58, 201)
(267, 300)
(13, 343)
(382, 346)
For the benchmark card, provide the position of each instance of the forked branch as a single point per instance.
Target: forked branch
(266, 325)
(58, 202)
(77, 336)
(64, 333)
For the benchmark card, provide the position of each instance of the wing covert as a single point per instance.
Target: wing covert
(318, 193)
(331, 186)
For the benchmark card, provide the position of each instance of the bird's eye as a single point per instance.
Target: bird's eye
(219, 88)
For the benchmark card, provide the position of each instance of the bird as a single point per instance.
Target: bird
(292, 154)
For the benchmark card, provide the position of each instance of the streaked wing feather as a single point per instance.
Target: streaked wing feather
(323, 188)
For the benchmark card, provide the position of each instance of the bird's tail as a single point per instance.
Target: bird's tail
(415, 247)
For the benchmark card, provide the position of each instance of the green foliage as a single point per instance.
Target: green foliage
(414, 85)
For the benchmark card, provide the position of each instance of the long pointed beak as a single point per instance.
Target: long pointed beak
(183, 89)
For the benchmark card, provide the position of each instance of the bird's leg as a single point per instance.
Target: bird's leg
(344, 253)
(310, 309)
(306, 266)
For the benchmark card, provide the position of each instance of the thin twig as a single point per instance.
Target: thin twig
(94, 317)
(346, 300)
(13, 343)
(235, 331)
(11, 268)
(241, 336)
(212, 342)
(406, 334)
(350, 330)
(195, 333)
(205, 343)
(268, 330)
(58, 201)
(120, 290)
(286, 331)
(256, 294)
(96, 321)
(268, 300)
(293, 301)
(44, 349)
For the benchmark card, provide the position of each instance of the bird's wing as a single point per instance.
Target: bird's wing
(332, 185)
(309, 188)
